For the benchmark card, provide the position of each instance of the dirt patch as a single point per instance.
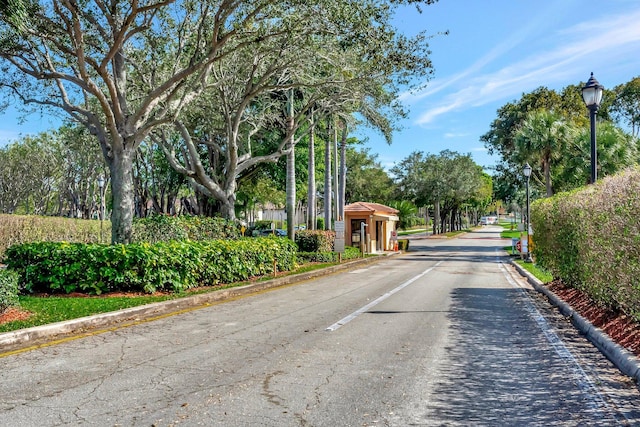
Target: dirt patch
(621, 328)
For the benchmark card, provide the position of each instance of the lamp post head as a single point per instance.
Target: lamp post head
(527, 170)
(101, 182)
(592, 93)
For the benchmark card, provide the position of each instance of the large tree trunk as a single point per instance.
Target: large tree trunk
(327, 184)
(291, 172)
(335, 173)
(436, 217)
(228, 208)
(343, 172)
(122, 193)
(311, 193)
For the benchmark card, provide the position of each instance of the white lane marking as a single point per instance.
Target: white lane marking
(595, 399)
(358, 312)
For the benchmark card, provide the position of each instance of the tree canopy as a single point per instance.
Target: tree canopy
(203, 78)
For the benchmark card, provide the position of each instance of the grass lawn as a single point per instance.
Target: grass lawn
(538, 272)
(412, 231)
(53, 309)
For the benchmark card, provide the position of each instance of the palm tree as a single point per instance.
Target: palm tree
(542, 139)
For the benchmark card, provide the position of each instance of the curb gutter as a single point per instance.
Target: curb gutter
(622, 358)
(27, 336)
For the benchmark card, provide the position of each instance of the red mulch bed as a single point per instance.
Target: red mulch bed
(622, 329)
(12, 313)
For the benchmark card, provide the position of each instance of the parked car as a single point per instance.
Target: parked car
(277, 232)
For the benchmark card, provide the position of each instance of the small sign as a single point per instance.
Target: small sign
(339, 228)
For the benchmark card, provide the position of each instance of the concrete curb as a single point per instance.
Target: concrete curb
(622, 358)
(27, 336)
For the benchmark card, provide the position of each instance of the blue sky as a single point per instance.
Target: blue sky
(496, 50)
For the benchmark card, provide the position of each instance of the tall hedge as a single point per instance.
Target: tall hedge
(315, 240)
(590, 238)
(168, 266)
(18, 229)
(163, 228)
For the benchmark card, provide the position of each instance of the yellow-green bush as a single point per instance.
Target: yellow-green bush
(590, 238)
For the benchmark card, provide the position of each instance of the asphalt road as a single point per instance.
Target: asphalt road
(445, 334)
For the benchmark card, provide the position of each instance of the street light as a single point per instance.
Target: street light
(592, 95)
(101, 186)
(527, 174)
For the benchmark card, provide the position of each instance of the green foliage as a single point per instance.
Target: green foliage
(367, 181)
(164, 266)
(315, 240)
(349, 253)
(590, 238)
(262, 225)
(550, 130)
(19, 229)
(403, 244)
(320, 223)
(448, 180)
(8, 289)
(164, 228)
(407, 213)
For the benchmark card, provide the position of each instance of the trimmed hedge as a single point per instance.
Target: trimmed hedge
(349, 253)
(403, 244)
(165, 266)
(164, 228)
(315, 240)
(8, 289)
(590, 238)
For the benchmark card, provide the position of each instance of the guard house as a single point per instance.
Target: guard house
(380, 222)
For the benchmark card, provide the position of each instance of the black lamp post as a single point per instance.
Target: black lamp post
(101, 187)
(592, 95)
(527, 173)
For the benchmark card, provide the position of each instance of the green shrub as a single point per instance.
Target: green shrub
(8, 289)
(319, 223)
(403, 244)
(164, 228)
(315, 240)
(164, 266)
(590, 239)
(349, 253)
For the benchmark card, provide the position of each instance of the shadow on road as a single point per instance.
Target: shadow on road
(502, 370)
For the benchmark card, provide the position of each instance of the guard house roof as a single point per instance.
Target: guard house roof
(371, 208)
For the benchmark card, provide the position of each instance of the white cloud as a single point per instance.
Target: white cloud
(579, 45)
(455, 135)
